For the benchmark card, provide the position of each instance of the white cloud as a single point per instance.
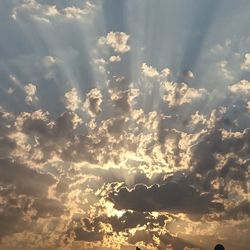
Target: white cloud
(246, 64)
(77, 13)
(39, 12)
(242, 87)
(101, 64)
(45, 13)
(223, 66)
(116, 40)
(149, 71)
(115, 59)
(49, 61)
(100, 61)
(30, 89)
(179, 93)
(152, 72)
(76, 120)
(165, 72)
(72, 100)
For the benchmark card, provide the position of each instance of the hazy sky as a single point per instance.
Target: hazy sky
(124, 123)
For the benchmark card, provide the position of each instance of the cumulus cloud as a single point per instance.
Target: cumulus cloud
(39, 12)
(46, 13)
(165, 73)
(246, 64)
(179, 93)
(134, 159)
(124, 170)
(101, 63)
(149, 70)
(93, 102)
(242, 87)
(152, 72)
(72, 100)
(115, 59)
(78, 13)
(137, 161)
(116, 40)
(30, 90)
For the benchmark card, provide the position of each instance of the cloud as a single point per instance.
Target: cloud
(242, 87)
(116, 40)
(178, 94)
(152, 72)
(30, 89)
(11, 221)
(49, 61)
(149, 70)
(159, 241)
(171, 197)
(45, 13)
(130, 158)
(223, 67)
(10, 91)
(39, 12)
(120, 101)
(125, 157)
(92, 104)
(47, 208)
(187, 74)
(78, 13)
(72, 100)
(25, 180)
(82, 235)
(246, 64)
(165, 73)
(248, 106)
(115, 59)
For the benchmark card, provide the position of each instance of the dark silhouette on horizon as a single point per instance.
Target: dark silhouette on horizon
(219, 247)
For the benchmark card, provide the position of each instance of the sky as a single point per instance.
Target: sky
(124, 123)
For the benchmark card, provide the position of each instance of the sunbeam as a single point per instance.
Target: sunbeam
(124, 124)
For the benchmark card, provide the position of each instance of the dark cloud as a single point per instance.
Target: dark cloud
(150, 142)
(12, 211)
(24, 179)
(132, 219)
(165, 241)
(6, 146)
(48, 207)
(237, 212)
(82, 235)
(11, 221)
(172, 197)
